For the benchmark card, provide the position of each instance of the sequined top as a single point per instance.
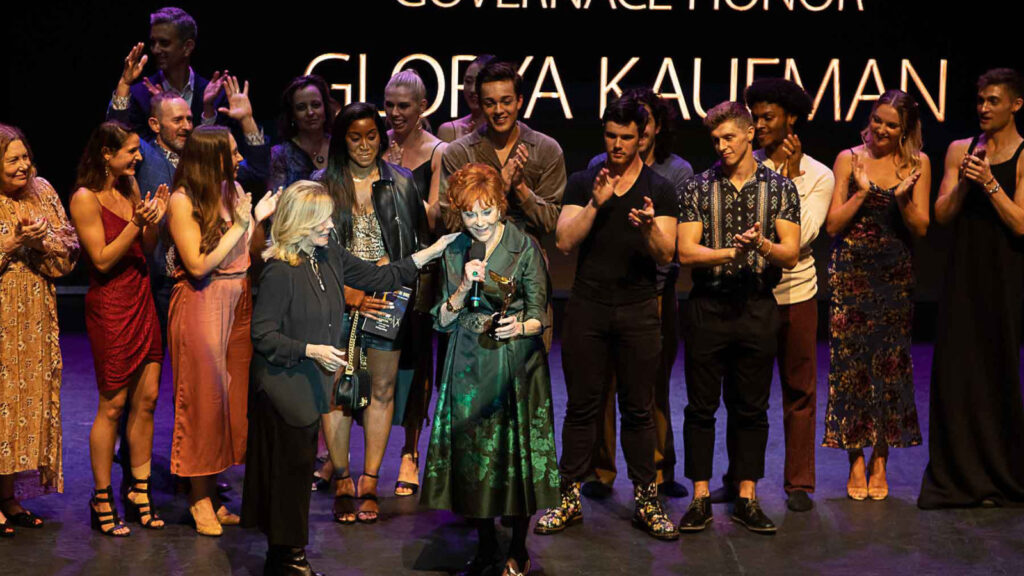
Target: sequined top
(367, 241)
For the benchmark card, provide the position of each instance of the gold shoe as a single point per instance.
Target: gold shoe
(226, 517)
(878, 489)
(204, 518)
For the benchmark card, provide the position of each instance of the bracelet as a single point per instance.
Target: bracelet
(990, 180)
(452, 309)
(119, 103)
(760, 241)
(994, 189)
(766, 254)
(522, 329)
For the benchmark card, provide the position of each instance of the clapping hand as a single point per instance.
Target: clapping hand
(212, 90)
(267, 205)
(148, 211)
(748, 240)
(395, 153)
(643, 218)
(859, 172)
(329, 357)
(30, 231)
(907, 184)
(512, 171)
(794, 154)
(604, 187)
(243, 208)
(976, 167)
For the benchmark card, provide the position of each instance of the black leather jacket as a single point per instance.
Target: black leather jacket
(400, 213)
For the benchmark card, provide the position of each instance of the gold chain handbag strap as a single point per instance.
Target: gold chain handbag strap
(350, 368)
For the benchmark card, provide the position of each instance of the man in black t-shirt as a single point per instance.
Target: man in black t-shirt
(623, 218)
(739, 226)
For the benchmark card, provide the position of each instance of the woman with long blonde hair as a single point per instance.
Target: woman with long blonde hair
(880, 203)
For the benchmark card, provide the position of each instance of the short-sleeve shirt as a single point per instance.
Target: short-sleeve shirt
(614, 266)
(711, 199)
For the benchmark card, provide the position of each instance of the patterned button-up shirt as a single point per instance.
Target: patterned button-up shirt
(711, 199)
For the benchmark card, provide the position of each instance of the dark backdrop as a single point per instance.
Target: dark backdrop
(62, 60)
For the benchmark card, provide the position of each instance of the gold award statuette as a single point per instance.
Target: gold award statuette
(507, 286)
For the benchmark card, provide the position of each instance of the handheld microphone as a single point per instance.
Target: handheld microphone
(477, 251)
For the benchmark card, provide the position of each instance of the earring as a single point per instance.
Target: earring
(106, 170)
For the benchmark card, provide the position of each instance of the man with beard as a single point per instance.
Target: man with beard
(622, 216)
(738, 228)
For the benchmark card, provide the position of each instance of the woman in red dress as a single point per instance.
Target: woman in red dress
(116, 226)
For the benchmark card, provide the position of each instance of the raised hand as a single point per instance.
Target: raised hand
(604, 187)
(643, 218)
(133, 64)
(859, 172)
(212, 90)
(907, 184)
(267, 205)
(239, 107)
(329, 357)
(153, 88)
(794, 154)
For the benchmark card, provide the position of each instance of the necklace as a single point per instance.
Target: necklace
(364, 178)
(316, 156)
(316, 271)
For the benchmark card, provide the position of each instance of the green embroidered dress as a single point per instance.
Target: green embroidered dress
(492, 447)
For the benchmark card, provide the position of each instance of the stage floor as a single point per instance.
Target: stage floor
(839, 536)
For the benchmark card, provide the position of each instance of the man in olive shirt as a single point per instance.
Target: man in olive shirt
(530, 163)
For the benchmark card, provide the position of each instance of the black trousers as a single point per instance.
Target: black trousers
(278, 464)
(598, 338)
(732, 339)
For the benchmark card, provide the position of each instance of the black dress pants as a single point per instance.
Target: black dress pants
(598, 338)
(732, 339)
(278, 464)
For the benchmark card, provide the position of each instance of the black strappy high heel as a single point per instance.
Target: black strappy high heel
(372, 496)
(135, 512)
(105, 522)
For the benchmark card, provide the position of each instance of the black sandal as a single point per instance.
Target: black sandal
(372, 497)
(24, 519)
(101, 519)
(344, 510)
(412, 487)
(135, 512)
(6, 530)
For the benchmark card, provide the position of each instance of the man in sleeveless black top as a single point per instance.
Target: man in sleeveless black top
(622, 216)
(976, 415)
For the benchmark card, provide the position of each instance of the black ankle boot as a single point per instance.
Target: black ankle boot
(287, 561)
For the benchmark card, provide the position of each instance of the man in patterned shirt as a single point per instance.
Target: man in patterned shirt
(739, 226)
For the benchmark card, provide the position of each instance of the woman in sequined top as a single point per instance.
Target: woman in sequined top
(380, 218)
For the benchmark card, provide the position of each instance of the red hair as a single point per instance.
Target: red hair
(477, 182)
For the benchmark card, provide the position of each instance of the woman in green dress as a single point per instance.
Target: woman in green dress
(492, 450)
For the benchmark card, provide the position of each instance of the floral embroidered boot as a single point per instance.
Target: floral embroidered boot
(567, 513)
(648, 514)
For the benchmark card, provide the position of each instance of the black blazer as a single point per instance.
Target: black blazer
(289, 314)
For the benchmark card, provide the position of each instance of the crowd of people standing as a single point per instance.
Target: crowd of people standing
(371, 221)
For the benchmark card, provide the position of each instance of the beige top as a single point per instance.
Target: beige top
(815, 188)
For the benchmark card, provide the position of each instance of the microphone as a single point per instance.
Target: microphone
(477, 251)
